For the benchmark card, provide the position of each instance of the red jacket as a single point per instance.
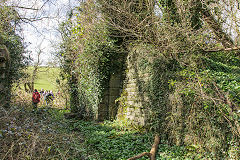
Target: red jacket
(36, 97)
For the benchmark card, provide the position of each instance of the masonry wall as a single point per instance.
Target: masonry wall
(134, 101)
(4, 58)
(124, 98)
(108, 107)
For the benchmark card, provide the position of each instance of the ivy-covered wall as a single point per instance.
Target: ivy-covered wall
(180, 101)
(133, 101)
(4, 66)
(171, 85)
(144, 101)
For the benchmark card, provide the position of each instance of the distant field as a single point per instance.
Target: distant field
(46, 78)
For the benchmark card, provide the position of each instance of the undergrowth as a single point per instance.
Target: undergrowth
(45, 134)
(27, 134)
(105, 142)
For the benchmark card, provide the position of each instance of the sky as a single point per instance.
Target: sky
(42, 34)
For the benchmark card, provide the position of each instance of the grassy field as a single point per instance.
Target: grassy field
(46, 78)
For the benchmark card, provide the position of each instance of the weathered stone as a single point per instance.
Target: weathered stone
(114, 91)
(102, 112)
(131, 103)
(115, 81)
(132, 80)
(1, 86)
(131, 90)
(131, 85)
(4, 58)
(131, 97)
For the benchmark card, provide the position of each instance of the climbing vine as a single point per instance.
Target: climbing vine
(89, 47)
(17, 60)
(189, 95)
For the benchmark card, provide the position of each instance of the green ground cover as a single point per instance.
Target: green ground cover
(48, 135)
(46, 78)
(108, 142)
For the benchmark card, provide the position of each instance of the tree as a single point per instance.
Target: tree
(14, 43)
(68, 59)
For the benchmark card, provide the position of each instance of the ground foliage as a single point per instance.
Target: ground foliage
(45, 134)
(28, 134)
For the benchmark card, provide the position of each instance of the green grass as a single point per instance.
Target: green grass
(46, 78)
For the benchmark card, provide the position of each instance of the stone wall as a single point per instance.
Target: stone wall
(108, 107)
(124, 99)
(4, 58)
(133, 100)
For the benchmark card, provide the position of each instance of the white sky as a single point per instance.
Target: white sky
(42, 34)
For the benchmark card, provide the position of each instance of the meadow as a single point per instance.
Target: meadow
(46, 78)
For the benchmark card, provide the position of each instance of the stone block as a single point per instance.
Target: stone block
(115, 81)
(1, 86)
(132, 80)
(131, 103)
(137, 111)
(131, 118)
(131, 90)
(114, 91)
(2, 76)
(131, 97)
(130, 110)
(131, 85)
(128, 114)
(133, 94)
(102, 112)
(138, 104)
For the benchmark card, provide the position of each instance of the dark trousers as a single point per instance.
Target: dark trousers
(34, 104)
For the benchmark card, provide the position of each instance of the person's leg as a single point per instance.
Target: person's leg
(34, 105)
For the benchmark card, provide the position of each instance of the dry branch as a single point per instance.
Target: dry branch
(225, 49)
(141, 155)
(152, 153)
(155, 147)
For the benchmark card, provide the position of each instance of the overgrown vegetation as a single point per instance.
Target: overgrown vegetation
(45, 134)
(193, 89)
(185, 64)
(89, 56)
(14, 43)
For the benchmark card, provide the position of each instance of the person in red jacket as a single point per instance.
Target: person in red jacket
(35, 98)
